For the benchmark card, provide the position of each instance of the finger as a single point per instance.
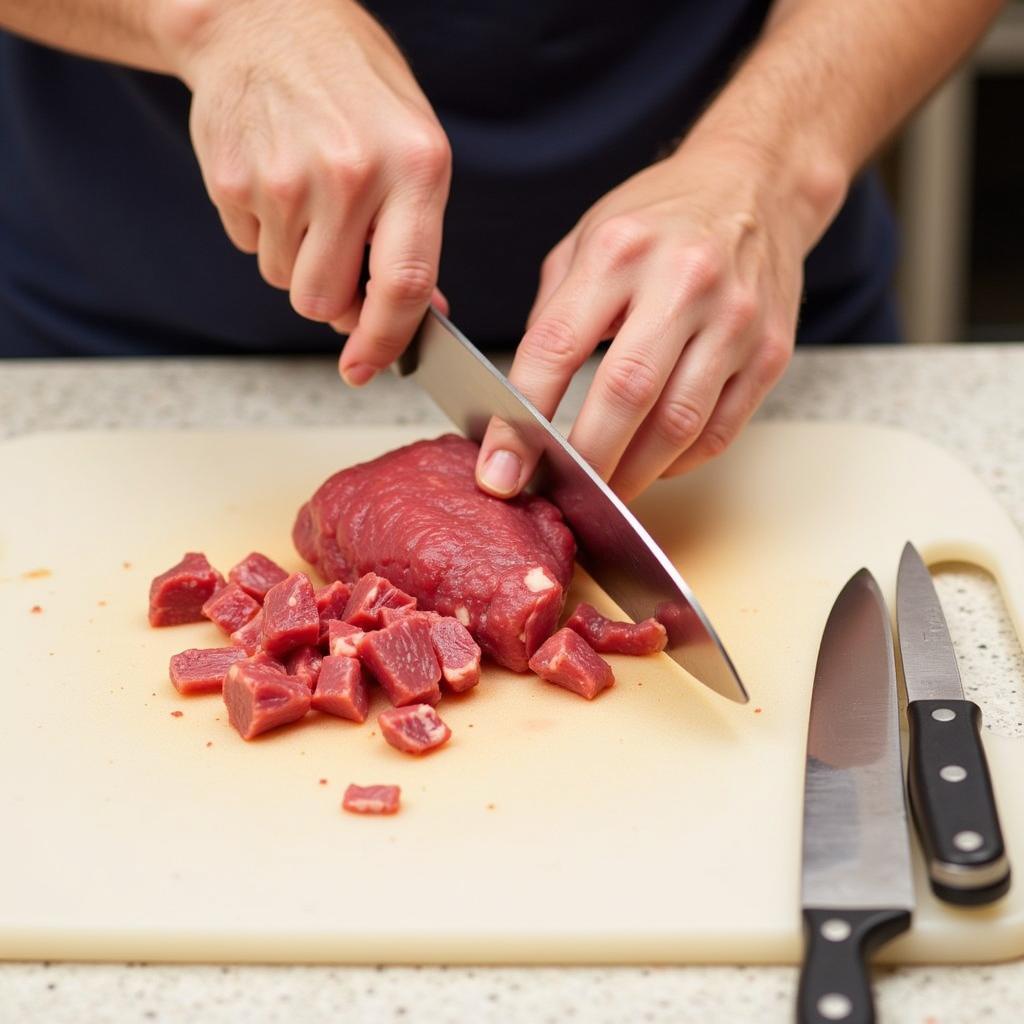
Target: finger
(552, 350)
(282, 208)
(241, 227)
(346, 323)
(552, 272)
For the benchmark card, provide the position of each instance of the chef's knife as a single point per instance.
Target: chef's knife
(950, 788)
(857, 890)
(613, 547)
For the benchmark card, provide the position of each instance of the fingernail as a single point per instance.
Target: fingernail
(501, 472)
(358, 375)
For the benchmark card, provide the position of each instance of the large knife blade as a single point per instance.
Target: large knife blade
(857, 890)
(613, 547)
(951, 791)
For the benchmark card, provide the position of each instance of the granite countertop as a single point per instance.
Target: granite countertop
(968, 399)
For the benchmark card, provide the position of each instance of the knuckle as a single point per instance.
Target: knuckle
(703, 267)
(286, 187)
(230, 187)
(679, 421)
(410, 282)
(550, 341)
(632, 382)
(315, 305)
(776, 351)
(620, 241)
(716, 439)
(273, 274)
(428, 156)
(741, 310)
(349, 172)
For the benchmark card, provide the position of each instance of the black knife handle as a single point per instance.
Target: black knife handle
(834, 981)
(953, 802)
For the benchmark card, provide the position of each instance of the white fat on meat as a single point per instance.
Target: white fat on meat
(462, 614)
(537, 580)
(432, 726)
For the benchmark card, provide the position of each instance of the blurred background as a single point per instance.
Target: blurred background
(956, 174)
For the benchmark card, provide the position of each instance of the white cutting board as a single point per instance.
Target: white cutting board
(658, 823)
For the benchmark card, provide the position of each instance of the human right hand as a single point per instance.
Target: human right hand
(314, 140)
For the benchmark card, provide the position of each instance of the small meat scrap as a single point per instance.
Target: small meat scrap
(401, 658)
(330, 604)
(259, 697)
(178, 595)
(610, 637)
(343, 638)
(304, 663)
(371, 799)
(567, 660)
(256, 574)
(203, 671)
(458, 653)
(290, 618)
(414, 729)
(370, 595)
(231, 608)
(341, 689)
(250, 636)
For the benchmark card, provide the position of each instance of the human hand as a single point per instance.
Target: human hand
(314, 140)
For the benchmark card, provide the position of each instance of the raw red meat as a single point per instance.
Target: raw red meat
(262, 658)
(610, 637)
(457, 652)
(371, 799)
(343, 638)
(256, 574)
(372, 594)
(341, 689)
(389, 615)
(203, 671)
(566, 659)
(231, 608)
(259, 697)
(290, 618)
(250, 636)
(414, 730)
(330, 604)
(304, 663)
(401, 658)
(417, 517)
(178, 595)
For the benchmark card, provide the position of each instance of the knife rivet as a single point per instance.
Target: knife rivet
(952, 773)
(835, 929)
(968, 841)
(835, 1006)
(943, 714)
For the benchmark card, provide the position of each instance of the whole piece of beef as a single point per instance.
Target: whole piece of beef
(177, 596)
(567, 660)
(608, 636)
(417, 517)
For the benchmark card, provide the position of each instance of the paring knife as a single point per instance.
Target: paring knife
(951, 791)
(613, 547)
(857, 890)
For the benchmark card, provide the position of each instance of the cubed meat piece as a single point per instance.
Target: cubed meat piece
(304, 663)
(371, 799)
(371, 594)
(203, 671)
(567, 660)
(256, 574)
(261, 657)
(330, 604)
(610, 637)
(250, 636)
(343, 638)
(259, 697)
(231, 608)
(290, 618)
(414, 729)
(341, 689)
(178, 595)
(389, 615)
(401, 658)
(457, 652)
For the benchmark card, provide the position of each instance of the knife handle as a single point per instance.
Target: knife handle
(954, 804)
(834, 981)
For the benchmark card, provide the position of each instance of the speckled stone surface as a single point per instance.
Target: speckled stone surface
(970, 400)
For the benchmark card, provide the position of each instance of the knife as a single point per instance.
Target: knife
(857, 889)
(613, 547)
(951, 792)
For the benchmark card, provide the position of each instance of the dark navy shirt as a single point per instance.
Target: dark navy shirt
(109, 244)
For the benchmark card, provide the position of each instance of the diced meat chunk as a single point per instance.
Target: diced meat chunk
(330, 604)
(370, 596)
(414, 729)
(567, 660)
(259, 698)
(250, 636)
(458, 653)
(177, 596)
(256, 574)
(290, 618)
(417, 517)
(343, 638)
(262, 658)
(203, 671)
(304, 663)
(401, 658)
(389, 615)
(341, 689)
(231, 608)
(371, 799)
(610, 637)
